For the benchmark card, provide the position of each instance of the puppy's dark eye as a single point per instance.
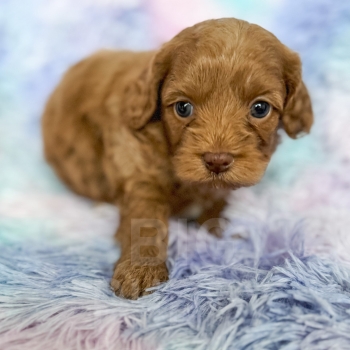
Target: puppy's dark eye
(183, 109)
(260, 109)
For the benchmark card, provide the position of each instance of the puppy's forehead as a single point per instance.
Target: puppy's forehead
(227, 33)
(224, 54)
(226, 42)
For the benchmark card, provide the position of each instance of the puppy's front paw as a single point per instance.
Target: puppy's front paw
(131, 281)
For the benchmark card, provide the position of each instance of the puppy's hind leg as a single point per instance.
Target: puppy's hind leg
(143, 237)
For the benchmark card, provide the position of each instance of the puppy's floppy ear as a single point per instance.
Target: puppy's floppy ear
(141, 95)
(297, 117)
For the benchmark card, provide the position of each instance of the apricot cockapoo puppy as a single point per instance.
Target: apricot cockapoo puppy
(162, 132)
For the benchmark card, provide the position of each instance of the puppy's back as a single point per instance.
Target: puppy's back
(86, 86)
(79, 112)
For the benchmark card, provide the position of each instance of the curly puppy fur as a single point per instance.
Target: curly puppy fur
(112, 134)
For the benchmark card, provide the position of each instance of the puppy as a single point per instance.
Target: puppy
(160, 133)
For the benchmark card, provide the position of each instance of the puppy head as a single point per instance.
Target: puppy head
(224, 88)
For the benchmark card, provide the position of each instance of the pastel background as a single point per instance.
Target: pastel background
(56, 249)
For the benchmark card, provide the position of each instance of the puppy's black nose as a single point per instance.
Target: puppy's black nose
(217, 162)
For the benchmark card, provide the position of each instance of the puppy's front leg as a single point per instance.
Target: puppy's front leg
(212, 217)
(143, 237)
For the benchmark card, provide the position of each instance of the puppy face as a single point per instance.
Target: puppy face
(226, 102)
(225, 88)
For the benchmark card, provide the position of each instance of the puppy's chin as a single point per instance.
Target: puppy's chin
(216, 181)
(239, 175)
(212, 180)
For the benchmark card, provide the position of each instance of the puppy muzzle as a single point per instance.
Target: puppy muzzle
(217, 162)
